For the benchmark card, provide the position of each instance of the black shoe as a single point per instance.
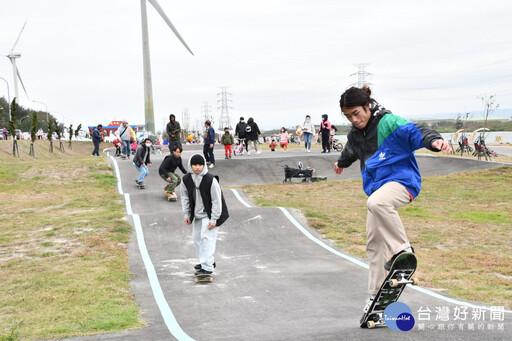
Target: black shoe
(389, 263)
(203, 272)
(323, 151)
(198, 266)
(137, 182)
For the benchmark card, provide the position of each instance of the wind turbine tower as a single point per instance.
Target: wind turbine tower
(361, 75)
(148, 89)
(224, 120)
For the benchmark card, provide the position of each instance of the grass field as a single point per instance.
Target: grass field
(63, 262)
(460, 226)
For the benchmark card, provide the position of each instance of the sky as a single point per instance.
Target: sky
(280, 60)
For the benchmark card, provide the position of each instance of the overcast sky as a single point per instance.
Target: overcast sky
(281, 60)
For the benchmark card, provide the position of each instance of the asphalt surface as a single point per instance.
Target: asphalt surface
(274, 280)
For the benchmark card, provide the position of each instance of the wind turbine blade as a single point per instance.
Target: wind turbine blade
(23, 85)
(19, 35)
(168, 21)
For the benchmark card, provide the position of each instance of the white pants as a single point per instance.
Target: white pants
(205, 241)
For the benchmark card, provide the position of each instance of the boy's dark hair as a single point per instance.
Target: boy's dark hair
(172, 116)
(100, 126)
(208, 123)
(177, 147)
(147, 139)
(356, 97)
(226, 128)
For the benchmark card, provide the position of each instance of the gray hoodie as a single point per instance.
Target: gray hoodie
(216, 193)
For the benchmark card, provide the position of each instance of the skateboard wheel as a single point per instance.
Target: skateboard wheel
(393, 283)
(370, 324)
(415, 281)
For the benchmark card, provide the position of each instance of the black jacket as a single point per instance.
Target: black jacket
(204, 188)
(252, 131)
(139, 155)
(169, 165)
(240, 130)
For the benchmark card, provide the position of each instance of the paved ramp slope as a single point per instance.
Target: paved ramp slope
(273, 282)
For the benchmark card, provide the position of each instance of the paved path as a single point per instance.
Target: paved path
(277, 279)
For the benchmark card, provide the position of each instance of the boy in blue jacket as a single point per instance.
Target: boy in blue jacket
(384, 144)
(209, 141)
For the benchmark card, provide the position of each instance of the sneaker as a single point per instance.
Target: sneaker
(309, 150)
(226, 157)
(389, 263)
(165, 188)
(198, 266)
(136, 181)
(249, 153)
(203, 272)
(230, 156)
(323, 151)
(212, 165)
(258, 152)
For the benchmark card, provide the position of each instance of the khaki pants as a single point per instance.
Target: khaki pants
(385, 230)
(175, 181)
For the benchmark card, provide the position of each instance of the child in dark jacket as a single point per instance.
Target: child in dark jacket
(227, 140)
(168, 168)
(203, 206)
(142, 161)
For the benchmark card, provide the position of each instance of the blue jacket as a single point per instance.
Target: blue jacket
(96, 135)
(210, 136)
(385, 149)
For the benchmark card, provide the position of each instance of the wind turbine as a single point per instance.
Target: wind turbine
(16, 74)
(148, 90)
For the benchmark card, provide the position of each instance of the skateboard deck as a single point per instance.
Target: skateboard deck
(204, 279)
(141, 186)
(398, 277)
(171, 198)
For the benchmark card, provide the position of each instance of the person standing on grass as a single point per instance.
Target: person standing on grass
(96, 140)
(173, 130)
(307, 129)
(168, 168)
(204, 207)
(142, 161)
(252, 133)
(209, 142)
(227, 140)
(384, 144)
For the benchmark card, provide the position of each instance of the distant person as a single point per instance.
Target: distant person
(173, 130)
(209, 143)
(283, 138)
(325, 133)
(142, 161)
(4, 133)
(203, 206)
(332, 135)
(118, 144)
(126, 134)
(133, 147)
(168, 169)
(272, 145)
(227, 140)
(240, 133)
(252, 134)
(384, 144)
(96, 139)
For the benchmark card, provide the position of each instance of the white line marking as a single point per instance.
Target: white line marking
(169, 318)
(240, 198)
(364, 265)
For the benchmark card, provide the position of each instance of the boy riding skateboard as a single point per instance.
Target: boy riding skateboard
(204, 207)
(167, 172)
(384, 144)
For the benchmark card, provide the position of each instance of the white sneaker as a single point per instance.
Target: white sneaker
(249, 153)
(212, 165)
(258, 152)
(309, 150)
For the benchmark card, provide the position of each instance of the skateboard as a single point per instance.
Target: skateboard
(204, 279)
(141, 186)
(398, 277)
